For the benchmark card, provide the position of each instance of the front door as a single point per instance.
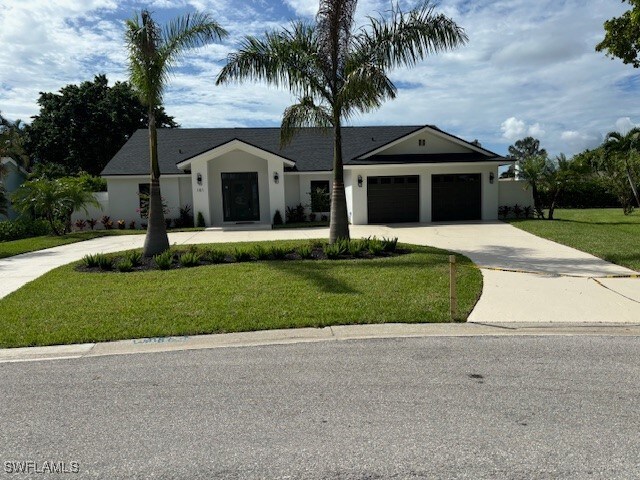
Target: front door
(240, 197)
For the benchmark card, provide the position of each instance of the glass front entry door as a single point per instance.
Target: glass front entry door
(240, 197)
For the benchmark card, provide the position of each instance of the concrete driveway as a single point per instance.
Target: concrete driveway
(564, 285)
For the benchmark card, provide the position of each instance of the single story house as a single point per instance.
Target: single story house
(14, 177)
(243, 175)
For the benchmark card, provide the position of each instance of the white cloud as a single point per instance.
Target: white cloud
(624, 125)
(531, 63)
(512, 128)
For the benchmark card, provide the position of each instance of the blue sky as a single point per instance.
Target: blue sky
(530, 68)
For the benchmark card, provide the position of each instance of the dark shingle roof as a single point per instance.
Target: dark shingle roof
(311, 149)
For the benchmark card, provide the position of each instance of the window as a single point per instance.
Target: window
(422, 142)
(320, 199)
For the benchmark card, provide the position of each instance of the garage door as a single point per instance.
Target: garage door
(456, 197)
(393, 199)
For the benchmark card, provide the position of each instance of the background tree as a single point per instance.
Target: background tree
(557, 175)
(83, 126)
(53, 200)
(337, 70)
(622, 35)
(533, 169)
(12, 141)
(623, 150)
(523, 149)
(153, 53)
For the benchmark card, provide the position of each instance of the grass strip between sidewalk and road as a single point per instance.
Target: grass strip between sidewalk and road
(70, 306)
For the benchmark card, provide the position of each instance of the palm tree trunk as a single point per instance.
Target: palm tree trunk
(339, 224)
(156, 240)
(631, 182)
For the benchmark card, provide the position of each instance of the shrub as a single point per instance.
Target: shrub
(312, 217)
(106, 222)
(215, 256)
(335, 250)
(356, 247)
(241, 255)
(260, 252)
(164, 260)
(278, 252)
(134, 257)
(80, 224)
(104, 262)
(503, 211)
(305, 251)
(91, 222)
(168, 222)
(200, 220)
(295, 214)
(528, 211)
(375, 246)
(517, 210)
(390, 244)
(190, 259)
(125, 265)
(324, 218)
(277, 218)
(185, 219)
(132, 225)
(121, 224)
(90, 261)
(17, 229)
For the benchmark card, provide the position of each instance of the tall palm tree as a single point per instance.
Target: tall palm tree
(12, 140)
(153, 53)
(338, 70)
(626, 147)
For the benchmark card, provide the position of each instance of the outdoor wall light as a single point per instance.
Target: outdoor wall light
(360, 181)
(276, 177)
(491, 177)
(199, 178)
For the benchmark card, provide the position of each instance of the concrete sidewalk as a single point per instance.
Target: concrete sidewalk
(307, 335)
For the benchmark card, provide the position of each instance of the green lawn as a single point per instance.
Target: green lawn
(16, 247)
(606, 233)
(68, 306)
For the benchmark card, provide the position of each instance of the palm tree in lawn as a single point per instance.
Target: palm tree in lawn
(625, 147)
(338, 70)
(153, 53)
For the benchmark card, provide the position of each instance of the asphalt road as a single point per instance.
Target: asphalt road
(454, 407)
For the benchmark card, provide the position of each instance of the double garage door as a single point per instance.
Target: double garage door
(397, 199)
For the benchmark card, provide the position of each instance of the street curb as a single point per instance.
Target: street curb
(311, 335)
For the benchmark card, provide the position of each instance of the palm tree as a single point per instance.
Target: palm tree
(12, 140)
(337, 70)
(153, 53)
(625, 147)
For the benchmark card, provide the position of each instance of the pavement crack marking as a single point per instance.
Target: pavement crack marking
(555, 274)
(504, 327)
(595, 279)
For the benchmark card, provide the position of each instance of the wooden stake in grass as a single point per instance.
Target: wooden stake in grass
(453, 294)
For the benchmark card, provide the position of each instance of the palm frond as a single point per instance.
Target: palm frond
(403, 39)
(366, 87)
(188, 31)
(303, 114)
(287, 58)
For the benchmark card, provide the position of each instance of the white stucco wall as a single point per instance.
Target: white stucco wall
(93, 211)
(124, 201)
(291, 190)
(514, 192)
(357, 196)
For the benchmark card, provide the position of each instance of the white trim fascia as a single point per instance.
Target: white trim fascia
(235, 145)
(432, 130)
(310, 172)
(146, 175)
(409, 165)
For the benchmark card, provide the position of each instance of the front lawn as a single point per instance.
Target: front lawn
(71, 306)
(25, 245)
(606, 233)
